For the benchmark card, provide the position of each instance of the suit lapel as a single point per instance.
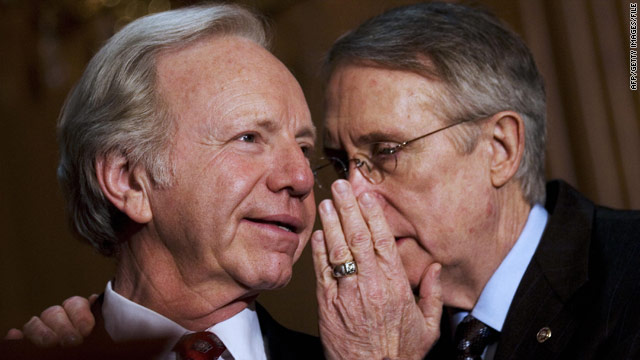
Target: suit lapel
(443, 349)
(558, 270)
(282, 343)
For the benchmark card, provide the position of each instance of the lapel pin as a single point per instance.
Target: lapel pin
(543, 335)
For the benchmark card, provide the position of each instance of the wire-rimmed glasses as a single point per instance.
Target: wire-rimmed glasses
(382, 160)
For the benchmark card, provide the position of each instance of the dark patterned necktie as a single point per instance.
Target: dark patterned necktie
(202, 345)
(472, 337)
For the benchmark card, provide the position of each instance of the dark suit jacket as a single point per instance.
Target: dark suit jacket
(583, 283)
(280, 343)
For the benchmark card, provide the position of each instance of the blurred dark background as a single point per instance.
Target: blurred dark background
(581, 47)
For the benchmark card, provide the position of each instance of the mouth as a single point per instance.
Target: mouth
(284, 222)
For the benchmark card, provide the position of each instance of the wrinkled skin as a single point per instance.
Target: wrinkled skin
(373, 314)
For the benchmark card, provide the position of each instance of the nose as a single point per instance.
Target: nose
(358, 182)
(291, 172)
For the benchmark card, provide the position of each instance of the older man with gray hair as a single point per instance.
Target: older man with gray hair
(185, 156)
(436, 117)
(435, 121)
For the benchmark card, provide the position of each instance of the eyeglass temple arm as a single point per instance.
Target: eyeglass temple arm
(405, 143)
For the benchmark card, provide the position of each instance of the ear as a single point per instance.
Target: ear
(507, 145)
(126, 188)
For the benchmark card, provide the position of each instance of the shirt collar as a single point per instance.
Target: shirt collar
(495, 299)
(241, 335)
(126, 320)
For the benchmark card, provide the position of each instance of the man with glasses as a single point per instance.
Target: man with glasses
(435, 118)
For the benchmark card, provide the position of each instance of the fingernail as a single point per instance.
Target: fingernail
(341, 187)
(326, 206)
(317, 236)
(366, 199)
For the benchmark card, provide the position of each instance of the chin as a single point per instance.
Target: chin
(272, 277)
(276, 283)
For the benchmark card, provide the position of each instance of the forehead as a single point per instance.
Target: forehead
(222, 78)
(363, 101)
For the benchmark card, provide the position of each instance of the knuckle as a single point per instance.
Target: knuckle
(360, 238)
(78, 309)
(32, 322)
(43, 333)
(340, 253)
(52, 312)
(379, 225)
(38, 333)
(349, 207)
(385, 243)
(74, 302)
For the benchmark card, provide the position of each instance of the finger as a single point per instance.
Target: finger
(337, 249)
(326, 284)
(430, 299)
(14, 334)
(93, 298)
(355, 229)
(39, 333)
(320, 259)
(78, 310)
(383, 241)
(58, 320)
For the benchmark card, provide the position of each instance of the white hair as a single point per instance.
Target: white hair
(115, 109)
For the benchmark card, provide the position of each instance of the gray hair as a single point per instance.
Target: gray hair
(115, 109)
(481, 65)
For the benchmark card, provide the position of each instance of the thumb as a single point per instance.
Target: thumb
(430, 296)
(92, 298)
(14, 334)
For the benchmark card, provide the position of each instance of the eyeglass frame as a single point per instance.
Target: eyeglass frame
(390, 151)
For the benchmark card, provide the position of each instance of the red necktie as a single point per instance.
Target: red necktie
(202, 345)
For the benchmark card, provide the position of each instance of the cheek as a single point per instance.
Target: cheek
(236, 173)
(217, 190)
(310, 215)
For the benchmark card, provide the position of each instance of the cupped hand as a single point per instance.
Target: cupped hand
(372, 314)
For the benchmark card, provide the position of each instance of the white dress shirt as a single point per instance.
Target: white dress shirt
(494, 301)
(126, 320)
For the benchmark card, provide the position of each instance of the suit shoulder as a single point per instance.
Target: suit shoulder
(283, 343)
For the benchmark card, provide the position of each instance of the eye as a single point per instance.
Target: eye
(383, 149)
(306, 150)
(250, 138)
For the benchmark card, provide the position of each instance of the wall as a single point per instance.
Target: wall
(581, 46)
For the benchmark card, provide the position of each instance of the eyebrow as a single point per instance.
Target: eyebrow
(271, 126)
(331, 145)
(375, 136)
(308, 132)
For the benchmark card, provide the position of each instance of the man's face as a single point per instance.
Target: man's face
(438, 201)
(240, 209)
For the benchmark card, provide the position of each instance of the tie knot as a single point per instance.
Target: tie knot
(472, 337)
(203, 345)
